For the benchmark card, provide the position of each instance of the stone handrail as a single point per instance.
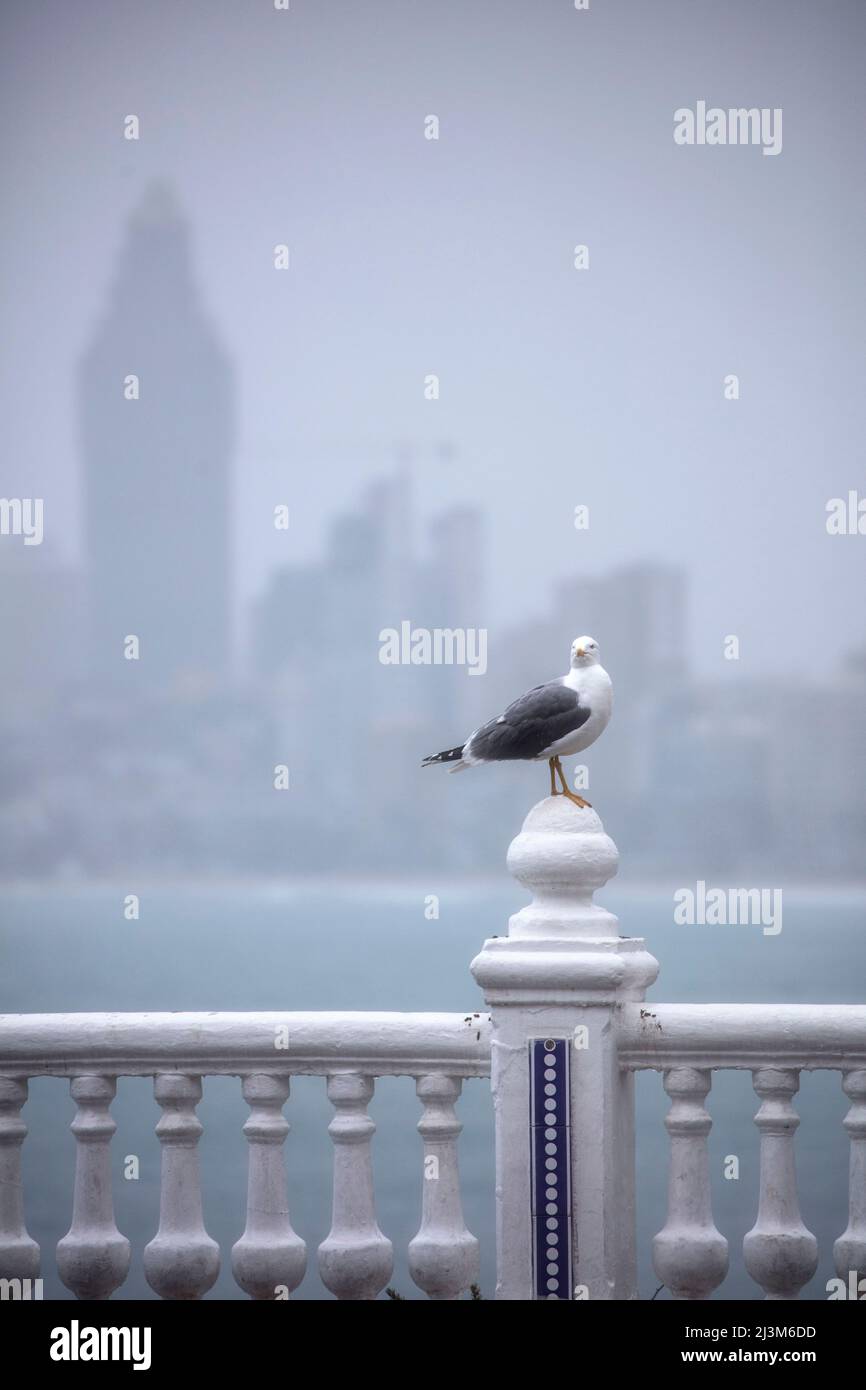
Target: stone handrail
(568, 1028)
(240, 1044)
(801, 1036)
(566, 985)
(265, 1049)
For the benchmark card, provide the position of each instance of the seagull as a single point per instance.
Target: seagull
(556, 719)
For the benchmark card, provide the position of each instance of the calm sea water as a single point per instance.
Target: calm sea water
(368, 946)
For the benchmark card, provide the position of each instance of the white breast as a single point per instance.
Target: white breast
(593, 685)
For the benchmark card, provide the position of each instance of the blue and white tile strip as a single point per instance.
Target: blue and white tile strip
(550, 1141)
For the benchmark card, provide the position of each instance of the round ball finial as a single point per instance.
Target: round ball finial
(562, 947)
(562, 855)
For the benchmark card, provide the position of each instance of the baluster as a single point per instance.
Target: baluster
(181, 1261)
(690, 1255)
(780, 1253)
(355, 1259)
(269, 1254)
(19, 1253)
(93, 1257)
(849, 1251)
(443, 1256)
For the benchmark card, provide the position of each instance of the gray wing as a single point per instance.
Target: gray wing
(530, 724)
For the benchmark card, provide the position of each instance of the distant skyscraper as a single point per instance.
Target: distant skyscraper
(451, 595)
(639, 616)
(455, 572)
(316, 642)
(157, 468)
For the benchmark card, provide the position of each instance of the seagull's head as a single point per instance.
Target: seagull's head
(584, 652)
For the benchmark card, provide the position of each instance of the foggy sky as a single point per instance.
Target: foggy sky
(455, 257)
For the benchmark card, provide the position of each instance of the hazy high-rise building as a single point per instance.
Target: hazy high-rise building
(638, 614)
(450, 595)
(455, 575)
(157, 426)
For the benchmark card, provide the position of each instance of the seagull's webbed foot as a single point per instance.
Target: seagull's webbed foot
(566, 790)
(578, 800)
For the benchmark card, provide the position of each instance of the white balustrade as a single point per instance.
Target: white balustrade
(562, 975)
(568, 1030)
(849, 1251)
(269, 1257)
(268, 1260)
(780, 1253)
(243, 1044)
(93, 1257)
(355, 1259)
(181, 1261)
(19, 1253)
(443, 1256)
(689, 1254)
(744, 1036)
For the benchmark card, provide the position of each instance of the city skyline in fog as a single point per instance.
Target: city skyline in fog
(282, 294)
(559, 387)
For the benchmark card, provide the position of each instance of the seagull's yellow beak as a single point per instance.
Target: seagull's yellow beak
(580, 651)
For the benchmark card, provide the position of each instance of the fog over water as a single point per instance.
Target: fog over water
(285, 375)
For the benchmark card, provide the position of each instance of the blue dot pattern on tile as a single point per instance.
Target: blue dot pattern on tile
(551, 1167)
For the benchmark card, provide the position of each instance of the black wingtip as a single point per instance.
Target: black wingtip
(448, 755)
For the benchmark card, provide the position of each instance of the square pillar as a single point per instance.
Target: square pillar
(564, 1113)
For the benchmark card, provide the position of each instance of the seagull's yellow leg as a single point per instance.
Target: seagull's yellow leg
(566, 790)
(553, 791)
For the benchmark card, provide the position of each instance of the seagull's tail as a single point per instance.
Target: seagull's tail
(449, 755)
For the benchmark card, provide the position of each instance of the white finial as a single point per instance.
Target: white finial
(563, 940)
(556, 983)
(563, 855)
